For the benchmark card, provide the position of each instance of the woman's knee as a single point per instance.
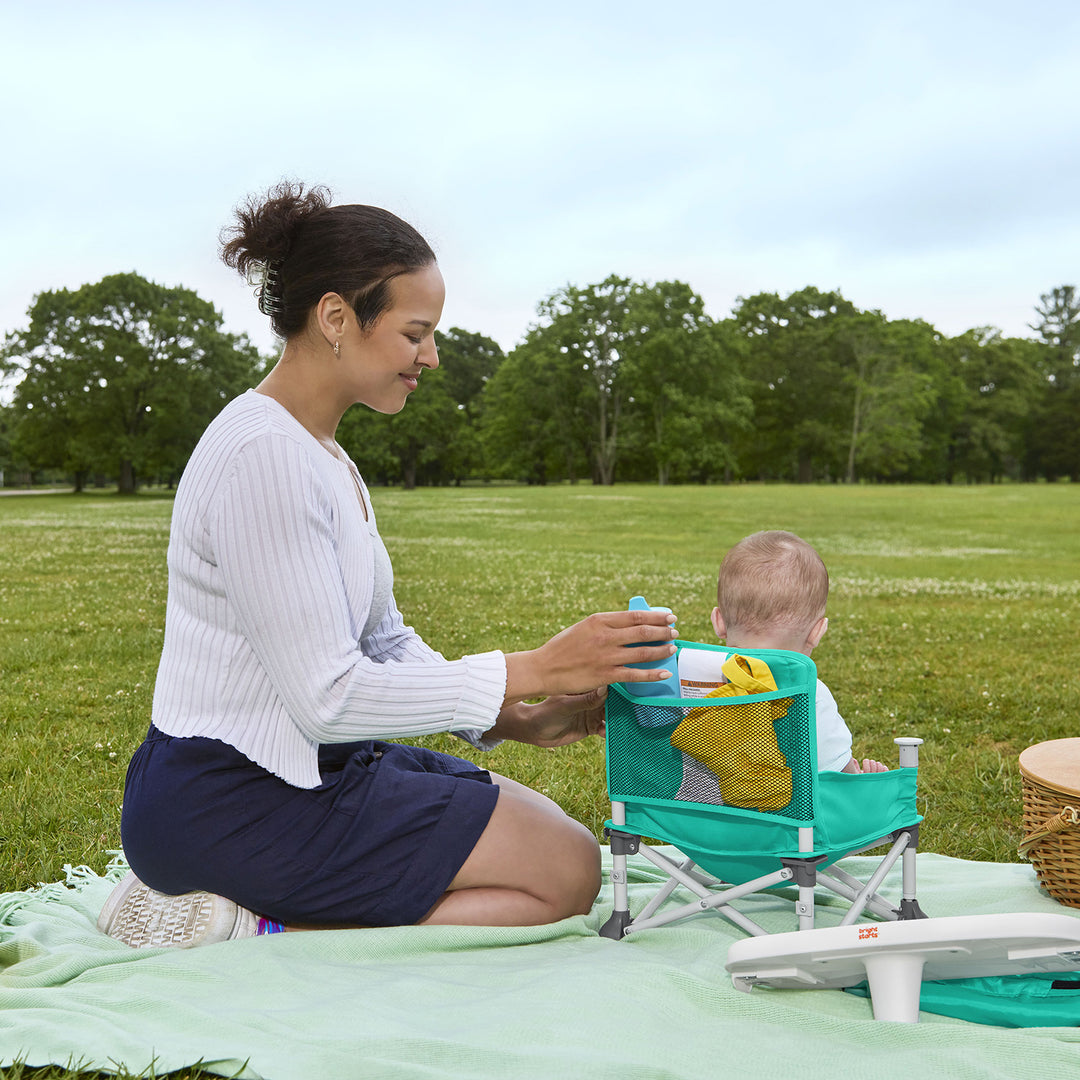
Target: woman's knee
(526, 847)
(567, 871)
(585, 886)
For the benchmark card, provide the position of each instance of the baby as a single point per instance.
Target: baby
(771, 594)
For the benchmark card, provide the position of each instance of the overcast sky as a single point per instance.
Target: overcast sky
(921, 157)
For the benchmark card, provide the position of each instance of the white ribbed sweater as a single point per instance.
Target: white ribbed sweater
(271, 578)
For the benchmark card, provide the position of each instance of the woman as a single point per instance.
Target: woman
(263, 785)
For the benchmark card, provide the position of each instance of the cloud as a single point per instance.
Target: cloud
(919, 158)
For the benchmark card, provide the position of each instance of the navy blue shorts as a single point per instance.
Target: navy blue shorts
(375, 844)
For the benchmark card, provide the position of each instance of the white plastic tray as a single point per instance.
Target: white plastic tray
(894, 957)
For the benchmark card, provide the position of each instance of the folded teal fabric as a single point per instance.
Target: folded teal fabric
(1040, 999)
(477, 1002)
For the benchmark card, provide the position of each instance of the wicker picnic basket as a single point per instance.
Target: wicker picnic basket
(1050, 777)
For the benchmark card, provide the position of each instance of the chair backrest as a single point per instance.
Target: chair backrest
(652, 776)
(644, 763)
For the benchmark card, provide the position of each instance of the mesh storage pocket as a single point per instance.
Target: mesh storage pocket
(644, 765)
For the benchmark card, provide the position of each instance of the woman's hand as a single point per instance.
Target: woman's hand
(555, 721)
(592, 653)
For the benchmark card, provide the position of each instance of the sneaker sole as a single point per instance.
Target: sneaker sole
(146, 919)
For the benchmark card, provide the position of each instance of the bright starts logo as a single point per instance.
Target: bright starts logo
(867, 932)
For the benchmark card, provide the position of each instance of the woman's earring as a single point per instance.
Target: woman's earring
(337, 348)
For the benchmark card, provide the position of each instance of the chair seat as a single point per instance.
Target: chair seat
(855, 812)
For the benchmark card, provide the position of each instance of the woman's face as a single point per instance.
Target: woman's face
(384, 364)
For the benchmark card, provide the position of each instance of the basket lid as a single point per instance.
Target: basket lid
(1056, 764)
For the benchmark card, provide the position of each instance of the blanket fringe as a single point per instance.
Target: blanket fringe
(76, 878)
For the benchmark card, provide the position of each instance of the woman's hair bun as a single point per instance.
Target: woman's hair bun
(265, 227)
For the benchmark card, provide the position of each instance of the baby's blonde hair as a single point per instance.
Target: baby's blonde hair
(769, 580)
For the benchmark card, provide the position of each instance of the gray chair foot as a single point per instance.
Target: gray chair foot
(616, 926)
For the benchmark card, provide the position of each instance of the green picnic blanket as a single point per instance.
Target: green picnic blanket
(476, 1002)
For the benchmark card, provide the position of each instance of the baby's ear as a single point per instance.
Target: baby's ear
(718, 624)
(817, 632)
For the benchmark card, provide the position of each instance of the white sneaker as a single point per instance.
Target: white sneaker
(145, 919)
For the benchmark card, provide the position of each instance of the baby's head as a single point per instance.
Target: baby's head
(771, 594)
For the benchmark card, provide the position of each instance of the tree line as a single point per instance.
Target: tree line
(621, 380)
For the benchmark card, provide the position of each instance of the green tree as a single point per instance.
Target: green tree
(588, 326)
(838, 393)
(988, 425)
(1055, 443)
(6, 462)
(536, 417)
(611, 352)
(888, 371)
(1058, 328)
(122, 376)
(802, 405)
(468, 361)
(688, 394)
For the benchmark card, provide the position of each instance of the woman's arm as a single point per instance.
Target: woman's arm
(285, 578)
(296, 582)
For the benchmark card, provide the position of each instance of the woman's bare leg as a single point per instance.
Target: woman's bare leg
(532, 865)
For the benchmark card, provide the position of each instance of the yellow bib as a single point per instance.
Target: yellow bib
(738, 742)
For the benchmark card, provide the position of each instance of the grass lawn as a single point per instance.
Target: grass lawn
(952, 616)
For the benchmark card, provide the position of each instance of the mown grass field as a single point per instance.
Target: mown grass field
(953, 616)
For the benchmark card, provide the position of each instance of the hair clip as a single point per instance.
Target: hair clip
(269, 297)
